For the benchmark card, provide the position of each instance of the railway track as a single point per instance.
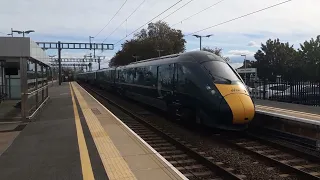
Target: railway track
(190, 162)
(289, 160)
(195, 164)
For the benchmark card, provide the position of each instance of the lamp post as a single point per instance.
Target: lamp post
(94, 48)
(245, 67)
(22, 32)
(159, 51)
(90, 61)
(99, 60)
(317, 69)
(136, 57)
(198, 36)
(11, 34)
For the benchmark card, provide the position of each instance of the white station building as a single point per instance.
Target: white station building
(24, 75)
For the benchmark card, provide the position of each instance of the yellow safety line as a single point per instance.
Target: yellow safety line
(289, 111)
(87, 172)
(114, 164)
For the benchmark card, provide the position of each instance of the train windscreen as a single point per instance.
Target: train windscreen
(221, 72)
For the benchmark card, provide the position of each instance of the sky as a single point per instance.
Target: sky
(76, 20)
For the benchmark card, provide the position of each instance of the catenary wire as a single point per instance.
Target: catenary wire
(111, 18)
(263, 9)
(198, 12)
(177, 9)
(124, 20)
(109, 21)
(149, 21)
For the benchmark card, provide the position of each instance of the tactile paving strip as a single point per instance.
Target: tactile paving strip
(114, 164)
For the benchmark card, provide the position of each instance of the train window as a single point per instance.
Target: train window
(180, 77)
(165, 75)
(184, 84)
(221, 72)
(112, 74)
(140, 75)
(101, 75)
(130, 75)
(108, 77)
(151, 76)
(122, 74)
(117, 75)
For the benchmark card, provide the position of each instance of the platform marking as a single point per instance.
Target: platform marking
(299, 119)
(289, 111)
(114, 164)
(87, 172)
(138, 137)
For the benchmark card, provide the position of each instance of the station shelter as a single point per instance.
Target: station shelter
(24, 76)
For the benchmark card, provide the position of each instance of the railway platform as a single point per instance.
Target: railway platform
(75, 137)
(290, 111)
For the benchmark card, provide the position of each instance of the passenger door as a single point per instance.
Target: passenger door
(181, 96)
(165, 83)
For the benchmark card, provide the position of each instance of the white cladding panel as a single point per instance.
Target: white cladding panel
(14, 47)
(22, 47)
(37, 53)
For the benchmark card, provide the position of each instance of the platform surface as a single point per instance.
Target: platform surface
(289, 110)
(75, 137)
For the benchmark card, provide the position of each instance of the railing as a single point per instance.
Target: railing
(2, 96)
(299, 92)
(35, 88)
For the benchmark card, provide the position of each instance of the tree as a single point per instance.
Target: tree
(309, 58)
(216, 51)
(275, 58)
(147, 42)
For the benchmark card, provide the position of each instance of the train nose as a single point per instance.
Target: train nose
(241, 106)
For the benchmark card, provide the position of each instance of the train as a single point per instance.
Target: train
(197, 86)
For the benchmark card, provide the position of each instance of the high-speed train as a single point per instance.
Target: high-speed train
(196, 86)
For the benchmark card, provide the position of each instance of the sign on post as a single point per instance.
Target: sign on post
(247, 70)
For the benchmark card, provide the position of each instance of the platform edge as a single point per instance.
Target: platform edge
(139, 138)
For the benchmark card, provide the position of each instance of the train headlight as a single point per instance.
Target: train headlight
(211, 90)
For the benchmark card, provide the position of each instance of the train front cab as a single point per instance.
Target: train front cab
(215, 92)
(236, 108)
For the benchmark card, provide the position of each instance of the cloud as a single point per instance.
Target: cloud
(253, 44)
(240, 52)
(235, 55)
(235, 65)
(195, 49)
(54, 21)
(254, 36)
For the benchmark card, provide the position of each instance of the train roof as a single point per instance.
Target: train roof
(197, 56)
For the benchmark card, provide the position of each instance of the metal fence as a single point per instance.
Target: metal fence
(299, 92)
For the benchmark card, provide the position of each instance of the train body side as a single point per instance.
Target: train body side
(185, 87)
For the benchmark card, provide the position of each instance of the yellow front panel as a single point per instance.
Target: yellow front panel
(236, 107)
(226, 89)
(241, 106)
(248, 106)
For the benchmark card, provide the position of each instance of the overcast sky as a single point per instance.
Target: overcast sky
(76, 20)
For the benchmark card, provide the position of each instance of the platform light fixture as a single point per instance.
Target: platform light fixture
(245, 67)
(22, 32)
(200, 37)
